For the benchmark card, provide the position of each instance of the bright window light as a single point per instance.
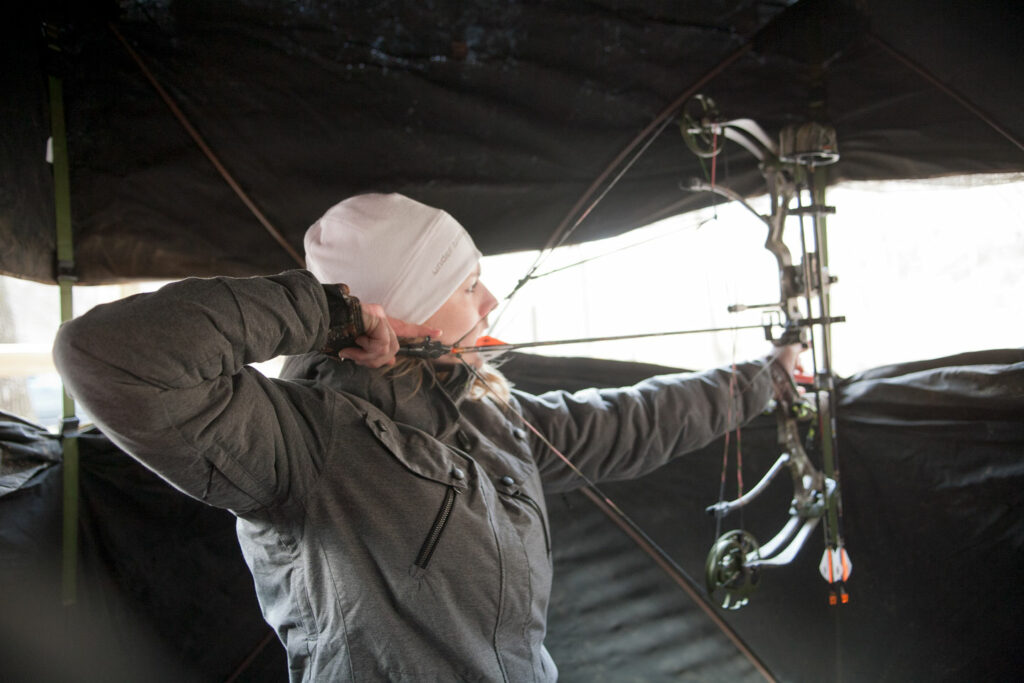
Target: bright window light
(926, 269)
(29, 317)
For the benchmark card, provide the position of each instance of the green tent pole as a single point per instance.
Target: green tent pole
(65, 279)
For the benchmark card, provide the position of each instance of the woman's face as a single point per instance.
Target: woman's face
(463, 317)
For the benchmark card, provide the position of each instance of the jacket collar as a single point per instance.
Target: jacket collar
(433, 407)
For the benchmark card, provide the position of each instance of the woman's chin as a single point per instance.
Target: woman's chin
(474, 360)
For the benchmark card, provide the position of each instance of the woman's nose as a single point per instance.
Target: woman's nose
(488, 303)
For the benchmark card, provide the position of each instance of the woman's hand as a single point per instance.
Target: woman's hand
(783, 363)
(379, 345)
(788, 357)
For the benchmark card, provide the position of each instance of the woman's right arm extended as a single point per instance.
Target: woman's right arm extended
(164, 376)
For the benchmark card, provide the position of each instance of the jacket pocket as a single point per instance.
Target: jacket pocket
(437, 528)
(531, 503)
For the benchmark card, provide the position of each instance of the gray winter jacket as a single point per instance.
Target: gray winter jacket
(392, 534)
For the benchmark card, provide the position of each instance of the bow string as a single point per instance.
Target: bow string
(736, 559)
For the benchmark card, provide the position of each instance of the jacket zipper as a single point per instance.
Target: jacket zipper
(540, 515)
(440, 522)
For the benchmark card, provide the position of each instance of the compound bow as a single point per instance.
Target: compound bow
(735, 560)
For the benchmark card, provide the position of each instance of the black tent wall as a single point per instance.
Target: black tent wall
(502, 113)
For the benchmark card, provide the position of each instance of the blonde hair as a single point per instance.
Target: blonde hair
(487, 379)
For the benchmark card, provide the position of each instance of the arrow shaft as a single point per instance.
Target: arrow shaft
(564, 342)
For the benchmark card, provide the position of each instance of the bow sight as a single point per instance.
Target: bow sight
(791, 169)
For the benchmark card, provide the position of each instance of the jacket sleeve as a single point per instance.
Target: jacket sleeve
(614, 434)
(164, 376)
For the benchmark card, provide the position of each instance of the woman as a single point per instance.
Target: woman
(391, 509)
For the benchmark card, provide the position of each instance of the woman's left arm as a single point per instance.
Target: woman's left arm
(615, 434)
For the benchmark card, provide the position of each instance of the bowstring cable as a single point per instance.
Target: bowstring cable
(632, 529)
(644, 139)
(591, 491)
(557, 239)
(613, 252)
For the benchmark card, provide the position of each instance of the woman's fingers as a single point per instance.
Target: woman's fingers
(379, 344)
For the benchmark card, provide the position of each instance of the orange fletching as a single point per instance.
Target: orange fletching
(489, 341)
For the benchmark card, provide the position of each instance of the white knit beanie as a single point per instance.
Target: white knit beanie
(393, 251)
